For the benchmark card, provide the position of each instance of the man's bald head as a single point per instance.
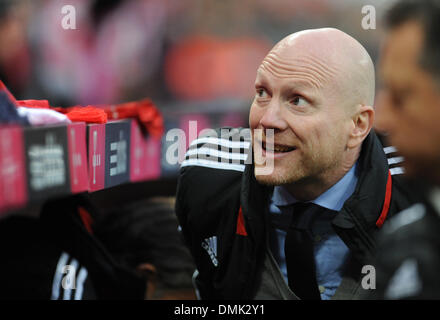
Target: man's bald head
(329, 59)
(315, 90)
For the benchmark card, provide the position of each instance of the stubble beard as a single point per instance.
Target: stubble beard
(304, 171)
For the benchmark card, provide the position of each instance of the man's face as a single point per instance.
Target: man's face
(409, 102)
(305, 110)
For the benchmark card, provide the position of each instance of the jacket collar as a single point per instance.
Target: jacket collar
(365, 204)
(356, 222)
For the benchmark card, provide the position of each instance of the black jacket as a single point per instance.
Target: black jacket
(220, 199)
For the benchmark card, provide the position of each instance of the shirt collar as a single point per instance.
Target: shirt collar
(333, 199)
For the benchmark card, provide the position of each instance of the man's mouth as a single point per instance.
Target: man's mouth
(276, 148)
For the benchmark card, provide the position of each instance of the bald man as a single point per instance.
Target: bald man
(288, 209)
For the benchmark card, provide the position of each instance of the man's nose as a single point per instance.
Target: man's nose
(273, 118)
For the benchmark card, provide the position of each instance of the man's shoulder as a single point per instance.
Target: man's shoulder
(210, 182)
(407, 257)
(217, 153)
(411, 233)
(214, 164)
(408, 223)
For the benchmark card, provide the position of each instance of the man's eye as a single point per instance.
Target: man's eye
(261, 93)
(298, 101)
(396, 99)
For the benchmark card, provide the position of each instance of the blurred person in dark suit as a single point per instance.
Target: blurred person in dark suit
(408, 257)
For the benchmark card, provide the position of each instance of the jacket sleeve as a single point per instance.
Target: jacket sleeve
(183, 210)
(207, 188)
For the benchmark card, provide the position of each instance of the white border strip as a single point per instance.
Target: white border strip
(58, 276)
(217, 153)
(397, 170)
(213, 164)
(390, 149)
(395, 160)
(82, 276)
(68, 292)
(222, 142)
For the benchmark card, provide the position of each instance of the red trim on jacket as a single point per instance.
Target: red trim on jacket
(86, 218)
(386, 204)
(241, 230)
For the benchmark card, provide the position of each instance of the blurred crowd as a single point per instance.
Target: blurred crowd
(177, 52)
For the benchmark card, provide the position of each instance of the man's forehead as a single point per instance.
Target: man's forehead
(298, 52)
(325, 58)
(293, 84)
(264, 75)
(405, 42)
(301, 54)
(401, 52)
(306, 69)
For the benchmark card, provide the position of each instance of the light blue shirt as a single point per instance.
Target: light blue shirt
(330, 251)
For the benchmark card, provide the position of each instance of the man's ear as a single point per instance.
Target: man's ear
(363, 121)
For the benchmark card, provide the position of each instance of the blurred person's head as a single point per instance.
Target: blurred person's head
(315, 89)
(144, 236)
(409, 101)
(15, 56)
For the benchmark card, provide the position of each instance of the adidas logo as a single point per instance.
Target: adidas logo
(210, 245)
